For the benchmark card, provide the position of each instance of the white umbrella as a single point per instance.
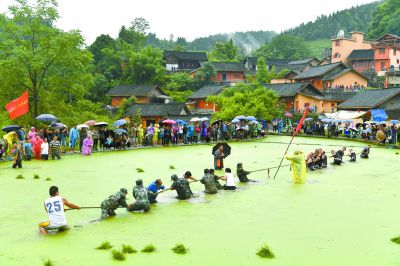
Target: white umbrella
(79, 127)
(195, 119)
(204, 119)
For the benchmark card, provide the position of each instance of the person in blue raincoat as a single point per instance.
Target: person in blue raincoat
(73, 138)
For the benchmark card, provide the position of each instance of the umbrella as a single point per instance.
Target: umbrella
(195, 119)
(204, 119)
(180, 121)
(394, 122)
(309, 119)
(10, 128)
(90, 123)
(216, 122)
(79, 127)
(240, 117)
(226, 149)
(169, 122)
(288, 114)
(381, 123)
(254, 122)
(235, 121)
(58, 125)
(119, 122)
(250, 118)
(46, 118)
(368, 130)
(101, 124)
(120, 131)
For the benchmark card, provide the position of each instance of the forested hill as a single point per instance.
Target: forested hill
(247, 41)
(325, 27)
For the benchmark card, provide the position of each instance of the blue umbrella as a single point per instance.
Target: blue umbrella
(235, 121)
(240, 117)
(46, 118)
(180, 121)
(10, 128)
(250, 118)
(309, 119)
(394, 122)
(120, 122)
(58, 125)
(120, 131)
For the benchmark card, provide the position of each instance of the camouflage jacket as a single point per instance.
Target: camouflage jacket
(242, 174)
(114, 201)
(182, 188)
(140, 194)
(209, 184)
(217, 183)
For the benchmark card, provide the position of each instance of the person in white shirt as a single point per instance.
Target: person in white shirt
(229, 180)
(54, 206)
(45, 149)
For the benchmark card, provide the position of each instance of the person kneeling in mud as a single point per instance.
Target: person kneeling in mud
(352, 155)
(216, 178)
(242, 174)
(209, 183)
(365, 152)
(113, 202)
(142, 198)
(337, 157)
(182, 187)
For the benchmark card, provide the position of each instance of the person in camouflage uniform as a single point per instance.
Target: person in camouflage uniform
(142, 198)
(181, 185)
(209, 182)
(242, 174)
(216, 178)
(109, 205)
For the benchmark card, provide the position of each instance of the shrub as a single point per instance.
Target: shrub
(149, 249)
(180, 249)
(265, 252)
(104, 245)
(128, 249)
(118, 255)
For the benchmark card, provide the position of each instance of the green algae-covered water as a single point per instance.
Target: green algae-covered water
(343, 215)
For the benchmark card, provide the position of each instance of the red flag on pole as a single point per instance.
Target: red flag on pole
(19, 106)
(301, 122)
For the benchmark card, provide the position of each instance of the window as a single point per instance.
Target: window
(223, 76)
(337, 43)
(336, 55)
(381, 50)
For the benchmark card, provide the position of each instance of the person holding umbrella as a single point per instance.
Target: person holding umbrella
(219, 158)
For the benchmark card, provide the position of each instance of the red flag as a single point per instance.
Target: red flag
(19, 106)
(301, 122)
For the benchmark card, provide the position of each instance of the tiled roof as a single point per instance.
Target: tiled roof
(132, 90)
(302, 61)
(369, 98)
(207, 90)
(158, 109)
(228, 66)
(200, 56)
(291, 89)
(365, 54)
(317, 71)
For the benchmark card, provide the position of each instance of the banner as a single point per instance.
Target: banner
(19, 106)
(301, 122)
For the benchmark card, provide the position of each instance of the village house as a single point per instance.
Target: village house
(386, 53)
(296, 66)
(156, 112)
(143, 94)
(362, 60)
(226, 72)
(183, 61)
(342, 46)
(332, 76)
(387, 99)
(197, 100)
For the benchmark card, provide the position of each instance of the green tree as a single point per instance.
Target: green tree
(386, 19)
(262, 72)
(123, 107)
(179, 81)
(204, 75)
(225, 52)
(146, 66)
(103, 41)
(136, 33)
(179, 96)
(246, 99)
(49, 62)
(284, 46)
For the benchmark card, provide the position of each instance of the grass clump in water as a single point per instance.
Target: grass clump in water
(104, 245)
(118, 255)
(36, 176)
(48, 262)
(48, 178)
(172, 167)
(149, 249)
(128, 249)
(396, 240)
(265, 252)
(180, 249)
(139, 170)
(20, 177)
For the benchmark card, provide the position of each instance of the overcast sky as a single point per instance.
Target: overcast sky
(190, 19)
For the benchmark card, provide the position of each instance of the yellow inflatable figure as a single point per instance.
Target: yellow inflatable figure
(9, 138)
(299, 167)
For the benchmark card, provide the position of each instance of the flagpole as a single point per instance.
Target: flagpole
(294, 134)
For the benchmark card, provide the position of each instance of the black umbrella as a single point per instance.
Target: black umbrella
(216, 122)
(10, 128)
(47, 118)
(226, 149)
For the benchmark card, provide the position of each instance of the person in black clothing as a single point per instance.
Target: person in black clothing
(338, 156)
(365, 152)
(353, 156)
(324, 160)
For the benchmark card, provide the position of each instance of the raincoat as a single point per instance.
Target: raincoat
(87, 146)
(298, 165)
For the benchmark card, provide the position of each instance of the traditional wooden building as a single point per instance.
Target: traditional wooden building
(226, 72)
(143, 94)
(197, 100)
(386, 53)
(343, 46)
(156, 112)
(387, 99)
(332, 75)
(280, 64)
(183, 61)
(362, 60)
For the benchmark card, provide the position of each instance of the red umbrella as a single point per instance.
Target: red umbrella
(90, 123)
(169, 121)
(288, 115)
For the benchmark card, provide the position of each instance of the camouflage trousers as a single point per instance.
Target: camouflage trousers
(106, 213)
(139, 206)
